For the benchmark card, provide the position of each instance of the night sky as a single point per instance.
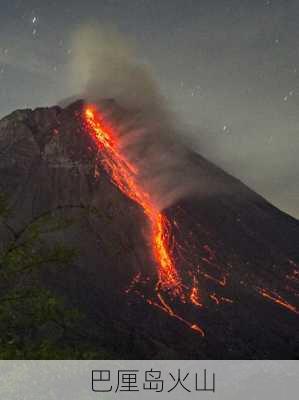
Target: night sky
(229, 68)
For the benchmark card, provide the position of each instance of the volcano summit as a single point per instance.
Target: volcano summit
(214, 274)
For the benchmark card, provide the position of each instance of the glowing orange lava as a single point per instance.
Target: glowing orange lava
(276, 298)
(194, 295)
(125, 177)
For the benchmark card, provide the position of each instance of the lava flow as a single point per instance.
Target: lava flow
(125, 176)
(276, 298)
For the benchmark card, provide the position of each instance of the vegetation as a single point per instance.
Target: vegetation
(37, 322)
(34, 321)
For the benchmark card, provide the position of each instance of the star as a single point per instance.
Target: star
(226, 129)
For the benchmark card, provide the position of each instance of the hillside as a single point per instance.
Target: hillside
(235, 255)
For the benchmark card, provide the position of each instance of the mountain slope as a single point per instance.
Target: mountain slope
(236, 254)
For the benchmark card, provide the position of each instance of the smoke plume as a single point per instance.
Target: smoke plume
(105, 66)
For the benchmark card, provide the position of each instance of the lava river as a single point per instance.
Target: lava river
(124, 175)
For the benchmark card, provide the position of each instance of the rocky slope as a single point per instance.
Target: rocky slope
(238, 251)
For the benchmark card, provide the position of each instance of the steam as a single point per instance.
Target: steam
(105, 66)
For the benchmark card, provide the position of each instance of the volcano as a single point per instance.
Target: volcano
(215, 275)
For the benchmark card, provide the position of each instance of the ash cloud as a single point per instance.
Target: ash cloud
(105, 66)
